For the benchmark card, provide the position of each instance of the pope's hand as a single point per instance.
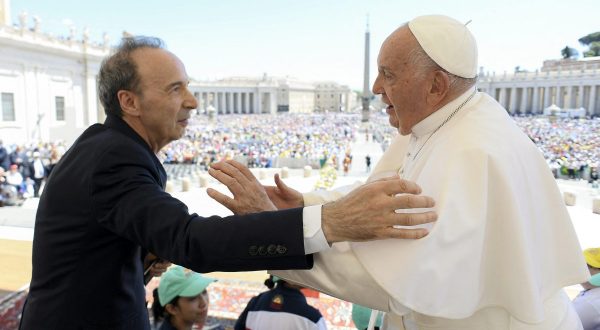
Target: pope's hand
(283, 196)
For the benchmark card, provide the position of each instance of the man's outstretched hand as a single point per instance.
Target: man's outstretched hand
(249, 196)
(367, 213)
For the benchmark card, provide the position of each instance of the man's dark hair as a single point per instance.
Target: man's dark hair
(119, 72)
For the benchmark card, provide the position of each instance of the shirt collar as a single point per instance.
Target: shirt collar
(434, 120)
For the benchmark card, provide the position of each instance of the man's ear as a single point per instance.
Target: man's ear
(440, 87)
(129, 102)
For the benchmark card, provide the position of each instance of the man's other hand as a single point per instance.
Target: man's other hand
(249, 196)
(369, 212)
(157, 268)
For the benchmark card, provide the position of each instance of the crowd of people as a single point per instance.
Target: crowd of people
(23, 168)
(261, 140)
(571, 146)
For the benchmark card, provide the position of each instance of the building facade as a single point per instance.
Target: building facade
(47, 84)
(236, 95)
(333, 97)
(568, 84)
(245, 95)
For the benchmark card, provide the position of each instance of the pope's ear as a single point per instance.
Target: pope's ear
(440, 86)
(128, 102)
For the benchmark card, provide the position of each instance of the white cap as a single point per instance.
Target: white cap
(448, 43)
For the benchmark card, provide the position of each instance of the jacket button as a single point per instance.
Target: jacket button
(262, 250)
(253, 250)
(281, 249)
(272, 249)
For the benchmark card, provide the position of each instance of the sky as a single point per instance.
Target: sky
(317, 40)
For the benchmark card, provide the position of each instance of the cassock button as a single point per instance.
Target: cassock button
(262, 250)
(253, 250)
(272, 249)
(281, 249)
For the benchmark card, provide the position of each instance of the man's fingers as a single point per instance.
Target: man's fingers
(242, 169)
(412, 219)
(220, 176)
(227, 168)
(403, 233)
(223, 199)
(408, 201)
(231, 183)
(395, 185)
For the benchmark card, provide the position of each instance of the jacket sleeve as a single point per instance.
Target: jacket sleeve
(127, 199)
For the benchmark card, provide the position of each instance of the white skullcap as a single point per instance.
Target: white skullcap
(448, 42)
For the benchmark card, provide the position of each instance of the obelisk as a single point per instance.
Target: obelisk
(366, 94)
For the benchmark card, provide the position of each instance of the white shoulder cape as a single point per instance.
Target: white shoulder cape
(503, 238)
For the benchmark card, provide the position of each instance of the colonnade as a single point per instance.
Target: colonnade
(535, 99)
(235, 102)
(532, 92)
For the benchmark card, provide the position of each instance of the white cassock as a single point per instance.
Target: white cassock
(503, 246)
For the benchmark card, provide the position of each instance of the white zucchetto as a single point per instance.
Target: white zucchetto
(448, 43)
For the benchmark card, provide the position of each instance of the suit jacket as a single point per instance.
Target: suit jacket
(104, 202)
(31, 169)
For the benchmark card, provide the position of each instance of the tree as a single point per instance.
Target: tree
(569, 52)
(590, 38)
(593, 41)
(594, 49)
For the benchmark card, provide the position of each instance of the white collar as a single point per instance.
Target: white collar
(429, 124)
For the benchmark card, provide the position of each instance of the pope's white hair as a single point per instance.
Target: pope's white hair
(422, 63)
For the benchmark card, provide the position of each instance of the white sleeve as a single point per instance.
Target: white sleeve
(314, 238)
(326, 196)
(338, 273)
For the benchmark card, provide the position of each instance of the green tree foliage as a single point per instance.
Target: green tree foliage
(590, 38)
(594, 49)
(593, 41)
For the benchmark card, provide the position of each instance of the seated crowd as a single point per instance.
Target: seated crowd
(570, 146)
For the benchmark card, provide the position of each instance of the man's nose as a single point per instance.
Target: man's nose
(190, 102)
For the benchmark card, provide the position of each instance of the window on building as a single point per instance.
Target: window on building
(8, 107)
(59, 102)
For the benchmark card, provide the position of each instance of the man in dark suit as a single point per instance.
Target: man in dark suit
(37, 172)
(104, 208)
